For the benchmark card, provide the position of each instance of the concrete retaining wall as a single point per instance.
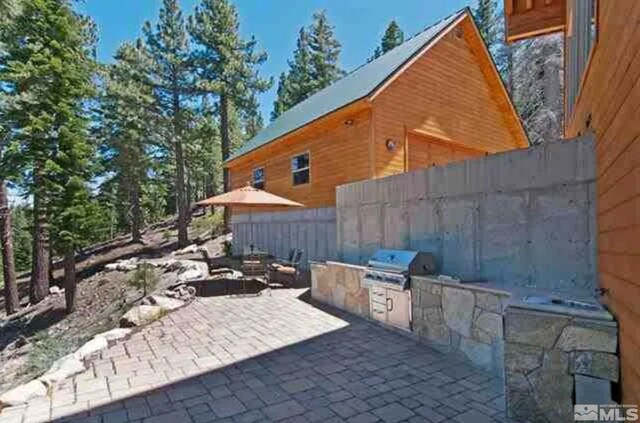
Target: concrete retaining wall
(523, 218)
(312, 230)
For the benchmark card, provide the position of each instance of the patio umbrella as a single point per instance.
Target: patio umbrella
(251, 197)
(248, 196)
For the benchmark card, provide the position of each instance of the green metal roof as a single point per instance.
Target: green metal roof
(352, 87)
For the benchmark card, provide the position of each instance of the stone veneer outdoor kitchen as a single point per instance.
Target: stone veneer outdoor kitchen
(555, 358)
(460, 318)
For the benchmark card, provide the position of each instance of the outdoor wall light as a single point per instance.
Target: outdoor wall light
(348, 122)
(391, 144)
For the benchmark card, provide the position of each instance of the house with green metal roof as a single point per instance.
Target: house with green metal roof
(435, 99)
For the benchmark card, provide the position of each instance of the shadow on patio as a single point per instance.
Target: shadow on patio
(329, 366)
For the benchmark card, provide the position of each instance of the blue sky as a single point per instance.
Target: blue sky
(359, 25)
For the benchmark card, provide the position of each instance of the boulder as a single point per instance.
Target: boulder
(62, 369)
(114, 334)
(123, 265)
(141, 315)
(191, 249)
(163, 302)
(56, 290)
(91, 347)
(23, 393)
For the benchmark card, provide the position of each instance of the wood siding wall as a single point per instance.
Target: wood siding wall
(450, 93)
(338, 155)
(609, 104)
(425, 151)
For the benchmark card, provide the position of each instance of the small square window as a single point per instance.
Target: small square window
(258, 178)
(300, 168)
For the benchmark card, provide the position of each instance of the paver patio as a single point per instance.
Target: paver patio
(269, 358)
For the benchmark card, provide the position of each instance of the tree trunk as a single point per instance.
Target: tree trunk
(136, 213)
(11, 300)
(183, 236)
(39, 287)
(70, 280)
(226, 151)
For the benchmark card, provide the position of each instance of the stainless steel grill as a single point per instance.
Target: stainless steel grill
(392, 268)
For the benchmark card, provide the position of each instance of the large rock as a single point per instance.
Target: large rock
(553, 387)
(190, 269)
(114, 334)
(165, 303)
(533, 328)
(23, 393)
(91, 347)
(123, 265)
(457, 308)
(581, 338)
(141, 315)
(62, 369)
(596, 364)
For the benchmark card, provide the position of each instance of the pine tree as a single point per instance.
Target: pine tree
(11, 300)
(226, 65)
(314, 65)
(392, 38)
(172, 79)
(46, 79)
(282, 101)
(252, 118)
(126, 114)
(325, 52)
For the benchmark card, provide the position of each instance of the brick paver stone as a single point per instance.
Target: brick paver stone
(268, 359)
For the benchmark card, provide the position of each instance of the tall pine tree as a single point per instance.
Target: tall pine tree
(392, 38)
(127, 113)
(314, 65)
(172, 79)
(226, 65)
(11, 300)
(47, 77)
(325, 52)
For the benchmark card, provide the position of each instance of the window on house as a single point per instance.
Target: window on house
(258, 178)
(300, 169)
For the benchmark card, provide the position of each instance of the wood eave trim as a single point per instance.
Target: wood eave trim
(503, 88)
(436, 139)
(546, 31)
(357, 106)
(444, 31)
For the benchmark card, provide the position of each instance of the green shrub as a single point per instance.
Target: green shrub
(46, 349)
(144, 278)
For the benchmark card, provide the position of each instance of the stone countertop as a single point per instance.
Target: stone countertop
(516, 296)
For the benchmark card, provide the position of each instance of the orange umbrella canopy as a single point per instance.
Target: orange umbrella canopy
(250, 197)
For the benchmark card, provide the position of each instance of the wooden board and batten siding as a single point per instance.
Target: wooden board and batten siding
(452, 94)
(608, 104)
(447, 101)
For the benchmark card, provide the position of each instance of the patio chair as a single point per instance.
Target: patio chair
(284, 262)
(287, 274)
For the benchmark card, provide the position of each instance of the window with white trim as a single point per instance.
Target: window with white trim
(300, 169)
(258, 178)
